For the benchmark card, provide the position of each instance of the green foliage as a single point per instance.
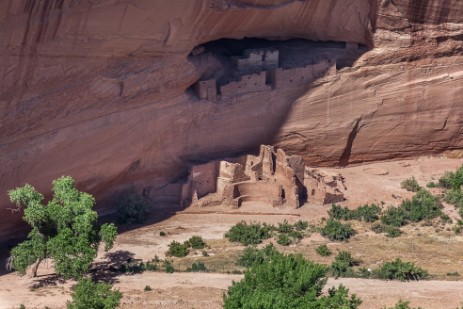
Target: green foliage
(301, 225)
(162, 234)
(431, 184)
(22, 306)
(286, 281)
(131, 208)
(147, 288)
(284, 240)
(367, 213)
(323, 250)
(400, 270)
(177, 249)
(168, 267)
(197, 267)
(284, 227)
(342, 265)
(410, 184)
(452, 180)
(335, 230)
(88, 294)
(392, 231)
(196, 242)
(65, 229)
(248, 234)
(402, 305)
(253, 256)
(422, 206)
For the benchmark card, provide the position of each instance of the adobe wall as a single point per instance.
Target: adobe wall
(301, 75)
(246, 84)
(257, 60)
(202, 180)
(207, 89)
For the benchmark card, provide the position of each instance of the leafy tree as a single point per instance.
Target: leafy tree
(253, 256)
(286, 281)
(88, 294)
(64, 229)
(196, 242)
(335, 230)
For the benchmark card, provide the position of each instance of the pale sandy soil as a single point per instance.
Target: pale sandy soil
(435, 249)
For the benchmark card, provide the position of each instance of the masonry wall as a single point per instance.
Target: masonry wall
(247, 84)
(206, 89)
(257, 60)
(303, 75)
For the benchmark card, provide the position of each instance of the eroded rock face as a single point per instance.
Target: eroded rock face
(100, 89)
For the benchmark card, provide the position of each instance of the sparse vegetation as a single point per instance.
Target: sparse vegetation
(284, 240)
(392, 231)
(400, 270)
(131, 208)
(335, 230)
(323, 250)
(65, 229)
(367, 213)
(248, 234)
(286, 281)
(147, 288)
(342, 265)
(402, 305)
(410, 184)
(88, 294)
(197, 267)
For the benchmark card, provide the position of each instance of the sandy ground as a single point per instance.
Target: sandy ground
(436, 250)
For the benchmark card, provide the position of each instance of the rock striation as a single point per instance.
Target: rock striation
(104, 90)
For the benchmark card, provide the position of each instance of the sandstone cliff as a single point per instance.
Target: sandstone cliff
(101, 89)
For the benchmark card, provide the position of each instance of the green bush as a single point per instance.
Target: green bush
(147, 288)
(284, 240)
(177, 249)
(253, 256)
(162, 234)
(301, 225)
(323, 250)
(248, 234)
(402, 305)
(88, 294)
(392, 231)
(431, 184)
(342, 265)
(284, 227)
(367, 213)
(197, 267)
(286, 281)
(168, 267)
(131, 208)
(335, 230)
(400, 270)
(410, 184)
(394, 216)
(196, 242)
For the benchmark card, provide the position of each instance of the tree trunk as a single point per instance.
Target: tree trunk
(34, 268)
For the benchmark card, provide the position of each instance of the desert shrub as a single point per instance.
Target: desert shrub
(394, 216)
(363, 273)
(401, 304)
(335, 230)
(252, 256)
(284, 240)
(378, 228)
(131, 208)
(400, 270)
(162, 233)
(338, 212)
(284, 227)
(410, 184)
(196, 242)
(248, 234)
(168, 267)
(147, 288)
(342, 265)
(197, 267)
(446, 180)
(392, 231)
(177, 249)
(88, 294)
(204, 253)
(323, 250)
(422, 206)
(286, 281)
(368, 213)
(301, 225)
(453, 274)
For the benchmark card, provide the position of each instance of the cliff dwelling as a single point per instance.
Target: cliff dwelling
(256, 65)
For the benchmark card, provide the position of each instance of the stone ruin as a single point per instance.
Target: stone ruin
(259, 70)
(272, 177)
